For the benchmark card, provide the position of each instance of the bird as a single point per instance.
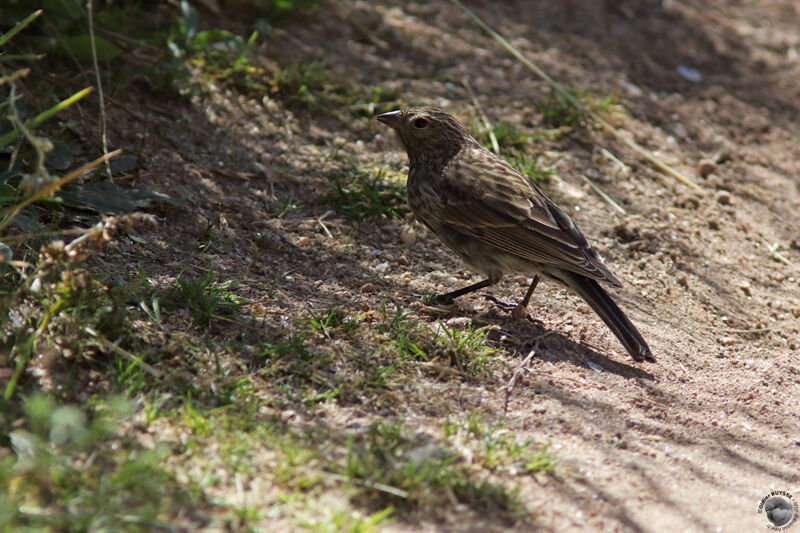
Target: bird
(498, 221)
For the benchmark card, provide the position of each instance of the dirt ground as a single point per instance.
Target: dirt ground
(711, 276)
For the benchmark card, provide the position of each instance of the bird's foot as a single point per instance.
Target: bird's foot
(505, 306)
(518, 311)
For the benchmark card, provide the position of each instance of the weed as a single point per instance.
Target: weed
(507, 135)
(70, 473)
(205, 297)
(359, 193)
(412, 471)
(530, 167)
(558, 111)
(494, 446)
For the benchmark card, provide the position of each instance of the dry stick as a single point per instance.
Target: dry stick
(122, 352)
(104, 132)
(633, 145)
(484, 118)
(8, 214)
(603, 195)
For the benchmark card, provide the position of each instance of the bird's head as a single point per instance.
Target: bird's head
(427, 133)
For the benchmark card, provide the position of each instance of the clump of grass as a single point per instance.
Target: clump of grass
(205, 297)
(361, 193)
(558, 112)
(508, 136)
(70, 472)
(531, 167)
(412, 472)
(495, 447)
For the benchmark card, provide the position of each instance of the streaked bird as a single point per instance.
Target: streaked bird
(498, 221)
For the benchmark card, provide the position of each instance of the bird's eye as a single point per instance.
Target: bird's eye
(420, 123)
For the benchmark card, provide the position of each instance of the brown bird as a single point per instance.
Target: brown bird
(498, 221)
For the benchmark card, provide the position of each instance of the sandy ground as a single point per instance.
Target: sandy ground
(711, 276)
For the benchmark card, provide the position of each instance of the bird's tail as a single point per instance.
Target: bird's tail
(599, 300)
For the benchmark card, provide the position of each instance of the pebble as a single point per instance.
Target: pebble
(368, 287)
(303, 241)
(705, 167)
(459, 321)
(408, 238)
(382, 267)
(522, 281)
(745, 286)
(727, 341)
(724, 198)
(402, 260)
(449, 282)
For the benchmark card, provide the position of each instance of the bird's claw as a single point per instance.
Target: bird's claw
(518, 312)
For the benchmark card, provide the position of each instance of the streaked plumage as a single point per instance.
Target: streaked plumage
(497, 220)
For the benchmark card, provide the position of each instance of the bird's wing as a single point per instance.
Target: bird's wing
(488, 199)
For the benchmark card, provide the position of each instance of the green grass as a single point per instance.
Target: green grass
(531, 167)
(411, 471)
(205, 297)
(70, 471)
(495, 446)
(557, 111)
(360, 193)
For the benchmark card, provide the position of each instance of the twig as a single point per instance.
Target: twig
(734, 330)
(603, 195)
(633, 145)
(322, 224)
(388, 489)
(123, 352)
(775, 254)
(517, 371)
(482, 115)
(8, 214)
(622, 166)
(103, 129)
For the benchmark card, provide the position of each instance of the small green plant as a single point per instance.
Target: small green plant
(70, 472)
(215, 55)
(467, 347)
(496, 447)
(303, 374)
(531, 168)
(508, 136)
(558, 111)
(205, 297)
(412, 471)
(359, 193)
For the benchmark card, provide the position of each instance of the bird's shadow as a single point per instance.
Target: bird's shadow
(519, 337)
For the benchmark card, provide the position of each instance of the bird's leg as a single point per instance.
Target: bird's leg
(450, 296)
(521, 310)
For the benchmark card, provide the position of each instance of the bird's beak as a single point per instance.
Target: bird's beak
(391, 119)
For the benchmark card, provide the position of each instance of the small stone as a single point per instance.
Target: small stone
(402, 260)
(522, 281)
(745, 286)
(408, 238)
(382, 267)
(303, 241)
(724, 198)
(706, 167)
(459, 322)
(449, 282)
(682, 280)
(368, 287)
(727, 341)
